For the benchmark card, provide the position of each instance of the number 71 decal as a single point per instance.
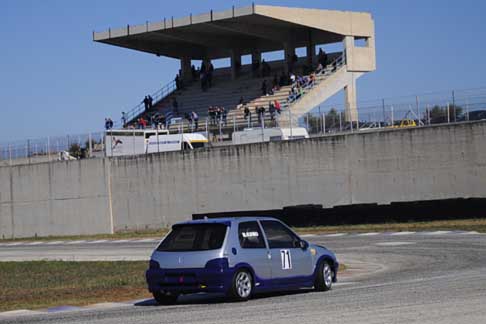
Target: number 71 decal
(286, 259)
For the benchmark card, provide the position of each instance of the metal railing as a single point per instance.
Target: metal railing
(157, 96)
(321, 76)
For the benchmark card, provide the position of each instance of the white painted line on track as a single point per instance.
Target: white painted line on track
(402, 233)
(20, 312)
(15, 244)
(346, 283)
(368, 234)
(395, 243)
(437, 233)
(335, 235)
(76, 242)
(472, 233)
(120, 241)
(146, 241)
(96, 242)
(35, 243)
(55, 243)
(308, 235)
(107, 305)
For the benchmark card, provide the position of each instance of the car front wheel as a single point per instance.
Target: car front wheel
(324, 277)
(242, 285)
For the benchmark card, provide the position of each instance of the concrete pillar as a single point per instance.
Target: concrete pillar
(235, 63)
(350, 102)
(311, 53)
(256, 58)
(289, 51)
(349, 49)
(186, 73)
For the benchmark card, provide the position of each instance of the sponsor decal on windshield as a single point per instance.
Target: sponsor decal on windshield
(249, 234)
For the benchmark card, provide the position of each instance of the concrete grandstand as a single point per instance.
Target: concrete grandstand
(252, 31)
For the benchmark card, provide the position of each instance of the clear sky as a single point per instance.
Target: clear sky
(54, 80)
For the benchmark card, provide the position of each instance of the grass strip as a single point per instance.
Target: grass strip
(43, 284)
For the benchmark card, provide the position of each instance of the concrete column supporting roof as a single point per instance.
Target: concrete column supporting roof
(214, 35)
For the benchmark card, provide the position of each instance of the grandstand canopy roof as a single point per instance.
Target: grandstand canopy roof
(256, 28)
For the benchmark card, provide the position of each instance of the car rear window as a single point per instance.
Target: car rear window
(194, 237)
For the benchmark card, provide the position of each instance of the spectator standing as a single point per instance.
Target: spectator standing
(145, 102)
(271, 110)
(277, 106)
(210, 74)
(195, 119)
(322, 58)
(150, 102)
(261, 114)
(142, 123)
(264, 88)
(124, 119)
(210, 115)
(292, 78)
(224, 115)
(177, 82)
(247, 113)
(218, 115)
(162, 120)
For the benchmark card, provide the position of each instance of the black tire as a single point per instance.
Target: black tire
(324, 276)
(165, 299)
(241, 286)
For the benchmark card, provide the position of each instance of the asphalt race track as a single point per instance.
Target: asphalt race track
(435, 277)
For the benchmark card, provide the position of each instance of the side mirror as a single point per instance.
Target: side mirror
(303, 244)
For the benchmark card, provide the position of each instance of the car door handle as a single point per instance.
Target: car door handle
(269, 255)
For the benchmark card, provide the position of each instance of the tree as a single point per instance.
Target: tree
(438, 114)
(75, 150)
(332, 121)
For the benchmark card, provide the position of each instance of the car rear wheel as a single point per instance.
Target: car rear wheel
(242, 285)
(165, 299)
(324, 277)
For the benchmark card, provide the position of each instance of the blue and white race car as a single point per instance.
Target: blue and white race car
(238, 257)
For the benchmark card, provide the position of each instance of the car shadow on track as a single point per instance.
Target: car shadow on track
(207, 299)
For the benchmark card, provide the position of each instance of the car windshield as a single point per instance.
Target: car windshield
(194, 237)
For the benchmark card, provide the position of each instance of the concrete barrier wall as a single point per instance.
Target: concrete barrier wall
(437, 162)
(61, 198)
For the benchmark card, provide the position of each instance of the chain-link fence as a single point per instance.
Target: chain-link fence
(408, 111)
(46, 149)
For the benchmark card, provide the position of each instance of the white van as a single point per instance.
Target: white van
(142, 141)
(259, 135)
(175, 142)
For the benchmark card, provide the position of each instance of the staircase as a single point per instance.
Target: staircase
(330, 81)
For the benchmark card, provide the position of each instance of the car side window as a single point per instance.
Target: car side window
(250, 236)
(279, 236)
